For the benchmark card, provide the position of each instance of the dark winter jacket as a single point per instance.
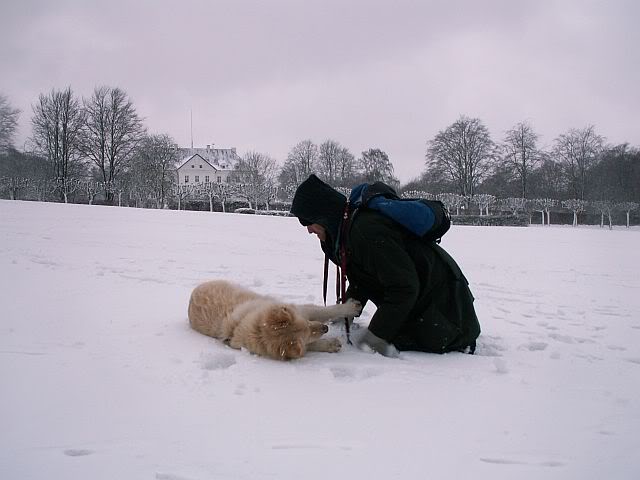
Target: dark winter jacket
(423, 300)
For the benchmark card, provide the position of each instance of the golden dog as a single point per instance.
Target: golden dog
(264, 326)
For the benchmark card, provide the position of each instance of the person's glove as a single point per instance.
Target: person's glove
(369, 342)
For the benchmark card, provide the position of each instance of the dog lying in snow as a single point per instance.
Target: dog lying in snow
(265, 326)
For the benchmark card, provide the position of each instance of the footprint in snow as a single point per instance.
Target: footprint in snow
(514, 322)
(616, 347)
(77, 452)
(500, 365)
(534, 346)
(170, 476)
(502, 461)
(219, 361)
(489, 346)
(561, 338)
(507, 461)
(348, 373)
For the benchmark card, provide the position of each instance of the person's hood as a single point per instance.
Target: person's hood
(317, 202)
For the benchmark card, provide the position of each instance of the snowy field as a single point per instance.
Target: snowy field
(101, 377)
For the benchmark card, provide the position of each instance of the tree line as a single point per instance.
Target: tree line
(98, 146)
(578, 172)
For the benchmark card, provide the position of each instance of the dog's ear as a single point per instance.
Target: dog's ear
(292, 349)
(281, 317)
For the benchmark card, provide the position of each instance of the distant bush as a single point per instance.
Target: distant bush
(491, 220)
(279, 205)
(251, 211)
(248, 211)
(276, 213)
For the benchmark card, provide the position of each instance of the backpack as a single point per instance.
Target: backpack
(427, 219)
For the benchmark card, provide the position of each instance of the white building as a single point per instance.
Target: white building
(207, 165)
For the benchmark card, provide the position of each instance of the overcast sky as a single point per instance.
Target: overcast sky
(264, 75)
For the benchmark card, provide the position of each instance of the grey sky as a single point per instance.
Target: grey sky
(264, 75)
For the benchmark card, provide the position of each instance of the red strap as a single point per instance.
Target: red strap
(341, 271)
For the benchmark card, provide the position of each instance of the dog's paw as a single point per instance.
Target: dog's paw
(329, 345)
(352, 308)
(333, 345)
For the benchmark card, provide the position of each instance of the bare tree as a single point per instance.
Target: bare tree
(258, 172)
(628, 207)
(300, 163)
(578, 150)
(452, 201)
(57, 122)
(415, 194)
(207, 190)
(219, 190)
(336, 165)
(328, 161)
(14, 185)
(154, 162)
(8, 123)
(112, 132)
(287, 192)
(577, 206)
(42, 187)
(376, 166)
(224, 192)
(140, 195)
(24, 165)
(270, 193)
(117, 187)
(548, 180)
(182, 192)
(66, 187)
(464, 151)
(484, 201)
(604, 207)
(346, 171)
(521, 153)
(544, 206)
(92, 188)
(515, 204)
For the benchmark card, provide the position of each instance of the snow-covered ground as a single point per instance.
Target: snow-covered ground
(101, 377)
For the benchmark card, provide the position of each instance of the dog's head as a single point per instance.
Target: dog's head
(286, 334)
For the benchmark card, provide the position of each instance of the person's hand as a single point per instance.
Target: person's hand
(371, 343)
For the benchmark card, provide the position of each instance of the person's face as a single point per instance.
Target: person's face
(318, 230)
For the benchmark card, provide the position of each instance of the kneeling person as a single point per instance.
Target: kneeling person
(422, 297)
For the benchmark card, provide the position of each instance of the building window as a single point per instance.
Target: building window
(206, 179)
(193, 166)
(186, 179)
(197, 179)
(200, 166)
(219, 179)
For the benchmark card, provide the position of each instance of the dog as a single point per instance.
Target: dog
(263, 325)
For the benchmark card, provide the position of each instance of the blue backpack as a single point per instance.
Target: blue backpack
(427, 219)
